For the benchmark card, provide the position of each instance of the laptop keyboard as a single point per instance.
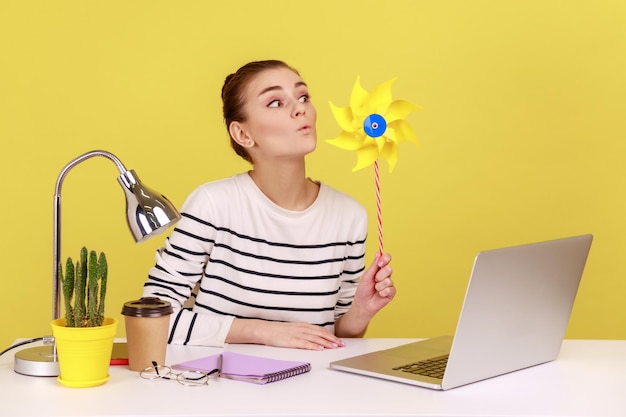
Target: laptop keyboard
(433, 367)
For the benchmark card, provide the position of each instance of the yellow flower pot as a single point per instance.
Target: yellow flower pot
(84, 352)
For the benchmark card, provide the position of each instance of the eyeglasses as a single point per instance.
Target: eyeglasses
(188, 378)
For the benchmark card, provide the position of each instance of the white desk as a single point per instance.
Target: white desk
(588, 379)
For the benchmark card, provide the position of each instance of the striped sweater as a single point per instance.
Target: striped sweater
(235, 253)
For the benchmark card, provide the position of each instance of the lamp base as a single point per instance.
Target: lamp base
(37, 361)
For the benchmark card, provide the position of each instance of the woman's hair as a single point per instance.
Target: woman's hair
(233, 95)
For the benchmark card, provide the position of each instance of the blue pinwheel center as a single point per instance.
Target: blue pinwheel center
(374, 125)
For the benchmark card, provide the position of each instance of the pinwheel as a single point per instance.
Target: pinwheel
(373, 126)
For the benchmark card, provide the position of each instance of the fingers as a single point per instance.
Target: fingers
(321, 343)
(384, 284)
(380, 262)
(383, 260)
(318, 338)
(386, 288)
(303, 336)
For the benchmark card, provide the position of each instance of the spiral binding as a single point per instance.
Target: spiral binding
(277, 376)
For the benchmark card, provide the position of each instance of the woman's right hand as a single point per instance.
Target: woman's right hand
(280, 334)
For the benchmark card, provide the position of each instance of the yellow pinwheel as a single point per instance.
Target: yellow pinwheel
(373, 125)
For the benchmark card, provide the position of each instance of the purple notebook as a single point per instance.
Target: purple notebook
(256, 369)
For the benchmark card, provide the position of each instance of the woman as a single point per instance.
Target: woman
(271, 256)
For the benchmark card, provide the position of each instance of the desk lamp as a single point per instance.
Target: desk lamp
(148, 213)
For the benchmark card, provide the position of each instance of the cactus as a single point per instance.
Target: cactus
(86, 286)
(68, 290)
(80, 284)
(103, 269)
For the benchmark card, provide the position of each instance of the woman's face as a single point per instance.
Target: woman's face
(280, 117)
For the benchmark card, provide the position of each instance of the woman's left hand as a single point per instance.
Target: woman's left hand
(376, 288)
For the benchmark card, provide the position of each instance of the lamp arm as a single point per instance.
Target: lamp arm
(56, 255)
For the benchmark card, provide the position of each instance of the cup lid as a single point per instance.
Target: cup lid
(147, 307)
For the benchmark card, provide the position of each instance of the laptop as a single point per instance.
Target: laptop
(516, 309)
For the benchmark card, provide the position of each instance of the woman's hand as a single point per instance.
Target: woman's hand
(280, 334)
(374, 292)
(376, 288)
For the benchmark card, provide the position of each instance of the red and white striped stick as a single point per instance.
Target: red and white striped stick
(379, 216)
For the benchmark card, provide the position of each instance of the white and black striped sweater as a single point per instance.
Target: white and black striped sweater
(254, 259)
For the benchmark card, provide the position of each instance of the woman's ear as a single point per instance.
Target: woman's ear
(240, 135)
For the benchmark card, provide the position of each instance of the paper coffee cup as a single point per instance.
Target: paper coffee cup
(147, 325)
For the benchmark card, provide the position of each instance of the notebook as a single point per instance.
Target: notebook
(248, 368)
(516, 309)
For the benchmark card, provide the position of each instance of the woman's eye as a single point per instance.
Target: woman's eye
(274, 103)
(304, 98)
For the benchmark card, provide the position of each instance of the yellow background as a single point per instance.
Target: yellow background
(522, 136)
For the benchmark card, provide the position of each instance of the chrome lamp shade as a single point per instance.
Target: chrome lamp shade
(148, 213)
